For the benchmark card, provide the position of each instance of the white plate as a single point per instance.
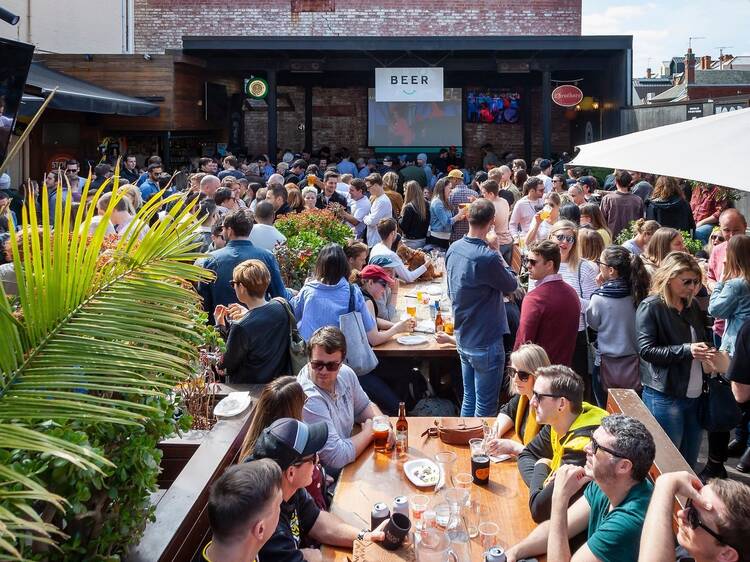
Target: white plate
(500, 458)
(435, 290)
(411, 340)
(231, 405)
(425, 327)
(419, 465)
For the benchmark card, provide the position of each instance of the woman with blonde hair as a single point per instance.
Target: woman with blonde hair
(414, 219)
(673, 340)
(668, 207)
(664, 241)
(133, 194)
(516, 413)
(309, 197)
(591, 215)
(644, 230)
(282, 398)
(591, 243)
(390, 187)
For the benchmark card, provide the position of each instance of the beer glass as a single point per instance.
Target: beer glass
(381, 429)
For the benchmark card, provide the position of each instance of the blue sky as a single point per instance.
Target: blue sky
(660, 29)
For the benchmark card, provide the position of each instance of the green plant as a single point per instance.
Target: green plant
(102, 332)
(691, 244)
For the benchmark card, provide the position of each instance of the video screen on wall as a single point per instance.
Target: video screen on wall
(15, 59)
(492, 106)
(415, 124)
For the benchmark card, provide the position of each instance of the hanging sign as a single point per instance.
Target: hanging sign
(256, 88)
(408, 84)
(567, 95)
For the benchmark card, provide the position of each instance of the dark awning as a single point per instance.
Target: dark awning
(77, 95)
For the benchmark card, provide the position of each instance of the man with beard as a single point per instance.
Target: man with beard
(612, 508)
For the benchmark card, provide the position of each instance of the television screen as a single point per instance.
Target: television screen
(492, 106)
(415, 124)
(216, 104)
(15, 59)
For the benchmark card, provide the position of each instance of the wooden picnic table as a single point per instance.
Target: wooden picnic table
(379, 477)
(393, 348)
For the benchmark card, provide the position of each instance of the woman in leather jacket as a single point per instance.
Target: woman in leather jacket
(673, 339)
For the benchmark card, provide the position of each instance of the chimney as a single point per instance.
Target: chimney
(706, 62)
(648, 73)
(690, 67)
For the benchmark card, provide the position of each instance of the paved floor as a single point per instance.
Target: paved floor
(733, 473)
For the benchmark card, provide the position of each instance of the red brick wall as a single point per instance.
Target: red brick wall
(705, 92)
(340, 119)
(160, 24)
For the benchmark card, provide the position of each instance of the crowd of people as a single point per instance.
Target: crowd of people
(548, 296)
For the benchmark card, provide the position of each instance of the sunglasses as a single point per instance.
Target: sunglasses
(569, 238)
(531, 261)
(690, 282)
(595, 446)
(523, 376)
(314, 458)
(327, 365)
(540, 395)
(717, 238)
(381, 283)
(694, 520)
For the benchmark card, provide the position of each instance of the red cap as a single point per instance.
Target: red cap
(375, 272)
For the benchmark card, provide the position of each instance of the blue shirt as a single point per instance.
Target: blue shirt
(730, 301)
(477, 279)
(144, 177)
(223, 261)
(364, 172)
(441, 218)
(317, 305)
(149, 189)
(347, 167)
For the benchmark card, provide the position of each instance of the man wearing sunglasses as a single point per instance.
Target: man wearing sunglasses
(713, 526)
(611, 510)
(557, 402)
(294, 445)
(336, 398)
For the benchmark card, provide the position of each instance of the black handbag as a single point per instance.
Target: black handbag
(717, 408)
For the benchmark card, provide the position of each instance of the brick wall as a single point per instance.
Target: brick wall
(340, 119)
(160, 24)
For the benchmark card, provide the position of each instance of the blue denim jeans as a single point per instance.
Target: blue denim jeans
(703, 233)
(678, 417)
(482, 372)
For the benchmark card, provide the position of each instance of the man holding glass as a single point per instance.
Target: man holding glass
(334, 396)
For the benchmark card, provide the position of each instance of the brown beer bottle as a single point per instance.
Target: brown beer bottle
(402, 429)
(438, 318)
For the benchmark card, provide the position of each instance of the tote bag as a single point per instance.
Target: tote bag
(359, 355)
(297, 345)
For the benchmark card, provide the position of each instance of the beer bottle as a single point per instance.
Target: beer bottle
(438, 318)
(402, 430)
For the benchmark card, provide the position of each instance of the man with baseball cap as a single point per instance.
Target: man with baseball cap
(545, 174)
(294, 445)
(460, 195)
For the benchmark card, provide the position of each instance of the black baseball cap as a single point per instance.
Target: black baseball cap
(544, 164)
(387, 159)
(287, 441)
(589, 181)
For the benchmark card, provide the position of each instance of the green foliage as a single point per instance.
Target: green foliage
(306, 234)
(691, 244)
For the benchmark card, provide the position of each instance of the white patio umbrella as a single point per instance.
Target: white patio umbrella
(713, 149)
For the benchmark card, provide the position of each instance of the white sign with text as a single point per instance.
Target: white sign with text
(408, 84)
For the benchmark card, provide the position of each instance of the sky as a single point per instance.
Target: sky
(661, 29)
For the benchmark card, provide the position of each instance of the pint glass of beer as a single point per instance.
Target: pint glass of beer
(310, 179)
(381, 428)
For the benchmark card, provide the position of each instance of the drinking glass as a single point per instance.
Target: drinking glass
(442, 514)
(488, 534)
(445, 461)
(381, 429)
(475, 515)
(477, 447)
(411, 306)
(418, 504)
(462, 480)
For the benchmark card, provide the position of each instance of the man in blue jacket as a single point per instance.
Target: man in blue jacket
(237, 227)
(477, 278)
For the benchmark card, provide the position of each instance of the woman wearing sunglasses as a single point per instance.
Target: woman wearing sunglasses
(673, 339)
(516, 413)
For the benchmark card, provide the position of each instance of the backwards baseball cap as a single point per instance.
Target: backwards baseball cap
(382, 261)
(387, 159)
(288, 441)
(375, 272)
(422, 156)
(589, 181)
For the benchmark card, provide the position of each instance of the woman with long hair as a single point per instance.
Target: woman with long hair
(441, 216)
(673, 340)
(517, 413)
(415, 216)
(668, 207)
(390, 187)
(356, 254)
(294, 199)
(623, 284)
(644, 230)
(591, 215)
(591, 243)
(282, 398)
(663, 242)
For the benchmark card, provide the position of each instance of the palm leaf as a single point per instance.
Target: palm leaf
(95, 329)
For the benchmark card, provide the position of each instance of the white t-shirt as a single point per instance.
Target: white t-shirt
(359, 209)
(381, 209)
(266, 236)
(400, 269)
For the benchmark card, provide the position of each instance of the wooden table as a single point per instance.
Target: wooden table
(377, 477)
(430, 349)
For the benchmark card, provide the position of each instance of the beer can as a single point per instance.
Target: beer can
(379, 514)
(401, 505)
(494, 554)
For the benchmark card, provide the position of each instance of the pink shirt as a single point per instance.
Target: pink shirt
(715, 271)
(502, 217)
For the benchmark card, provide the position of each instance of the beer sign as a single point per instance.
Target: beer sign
(567, 95)
(408, 84)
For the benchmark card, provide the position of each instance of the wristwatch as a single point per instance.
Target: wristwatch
(362, 533)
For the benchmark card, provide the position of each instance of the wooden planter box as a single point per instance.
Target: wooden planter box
(189, 467)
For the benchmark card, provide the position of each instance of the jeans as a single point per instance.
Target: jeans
(703, 233)
(506, 250)
(482, 372)
(678, 417)
(596, 388)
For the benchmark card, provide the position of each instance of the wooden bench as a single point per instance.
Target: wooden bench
(190, 467)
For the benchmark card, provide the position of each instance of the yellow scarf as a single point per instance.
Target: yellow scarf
(532, 427)
(577, 436)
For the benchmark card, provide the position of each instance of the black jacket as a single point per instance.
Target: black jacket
(412, 225)
(673, 212)
(335, 198)
(664, 343)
